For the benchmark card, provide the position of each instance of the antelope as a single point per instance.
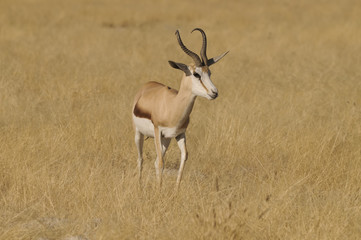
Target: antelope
(162, 113)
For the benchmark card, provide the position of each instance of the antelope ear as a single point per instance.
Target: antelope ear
(180, 66)
(216, 59)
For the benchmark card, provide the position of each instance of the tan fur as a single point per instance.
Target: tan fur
(205, 69)
(168, 108)
(165, 107)
(192, 67)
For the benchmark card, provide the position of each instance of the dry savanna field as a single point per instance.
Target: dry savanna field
(276, 156)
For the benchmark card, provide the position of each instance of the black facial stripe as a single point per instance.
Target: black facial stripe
(197, 75)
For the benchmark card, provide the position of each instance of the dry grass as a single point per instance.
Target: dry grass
(276, 156)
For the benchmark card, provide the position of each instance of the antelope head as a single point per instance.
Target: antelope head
(198, 73)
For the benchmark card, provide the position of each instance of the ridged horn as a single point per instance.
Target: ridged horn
(193, 55)
(204, 46)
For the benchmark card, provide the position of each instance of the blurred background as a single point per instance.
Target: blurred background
(276, 156)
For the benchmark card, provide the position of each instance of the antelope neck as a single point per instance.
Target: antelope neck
(185, 98)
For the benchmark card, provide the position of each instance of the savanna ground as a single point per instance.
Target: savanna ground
(276, 156)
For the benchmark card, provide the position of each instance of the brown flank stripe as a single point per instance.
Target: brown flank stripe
(138, 112)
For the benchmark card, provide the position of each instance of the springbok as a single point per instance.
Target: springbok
(163, 113)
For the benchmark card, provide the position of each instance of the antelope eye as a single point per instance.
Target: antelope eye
(197, 75)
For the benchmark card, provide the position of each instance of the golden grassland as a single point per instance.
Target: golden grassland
(276, 156)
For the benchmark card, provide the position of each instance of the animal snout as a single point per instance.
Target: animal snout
(214, 94)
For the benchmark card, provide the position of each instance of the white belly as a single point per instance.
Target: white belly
(172, 132)
(146, 127)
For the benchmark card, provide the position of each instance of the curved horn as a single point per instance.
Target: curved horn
(195, 57)
(204, 46)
